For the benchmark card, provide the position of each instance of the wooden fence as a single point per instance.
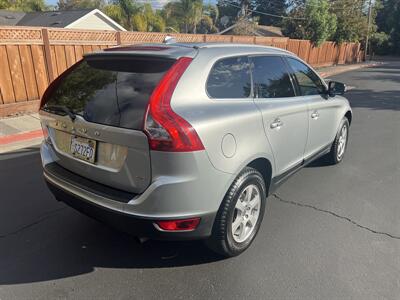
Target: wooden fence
(31, 57)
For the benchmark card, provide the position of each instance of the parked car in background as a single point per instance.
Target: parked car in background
(186, 141)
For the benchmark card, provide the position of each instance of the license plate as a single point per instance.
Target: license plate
(83, 148)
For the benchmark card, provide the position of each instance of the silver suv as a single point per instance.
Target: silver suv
(186, 141)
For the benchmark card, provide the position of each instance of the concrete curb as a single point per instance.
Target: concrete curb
(344, 68)
(20, 145)
(21, 137)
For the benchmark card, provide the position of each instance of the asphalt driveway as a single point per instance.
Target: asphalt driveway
(330, 232)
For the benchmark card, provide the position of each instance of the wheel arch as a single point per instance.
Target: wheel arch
(349, 116)
(264, 166)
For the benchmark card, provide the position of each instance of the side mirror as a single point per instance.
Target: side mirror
(336, 88)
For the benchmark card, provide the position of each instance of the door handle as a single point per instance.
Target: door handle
(276, 124)
(315, 115)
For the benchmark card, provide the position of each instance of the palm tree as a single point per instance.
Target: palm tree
(129, 8)
(24, 5)
(190, 12)
(115, 12)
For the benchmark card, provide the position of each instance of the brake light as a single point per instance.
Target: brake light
(137, 48)
(166, 130)
(174, 225)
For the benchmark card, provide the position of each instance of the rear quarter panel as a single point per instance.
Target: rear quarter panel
(213, 119)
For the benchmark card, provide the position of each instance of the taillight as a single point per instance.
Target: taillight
(179, 225)
(166, 130)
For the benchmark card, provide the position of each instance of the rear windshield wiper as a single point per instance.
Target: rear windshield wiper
(62, 108)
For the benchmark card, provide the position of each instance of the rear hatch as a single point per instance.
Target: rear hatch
(94, 115)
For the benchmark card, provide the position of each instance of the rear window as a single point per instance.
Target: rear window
(110, 91)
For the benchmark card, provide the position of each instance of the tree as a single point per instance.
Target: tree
(138, 17)
(23, 5)
(139, 22)
(147, 20)
(187, 15)
(212, 12)
(128, 9)
(387, 20)
(244, 26)
(228, 12)
(276, 7)
(206, 25)
(115, 12)
(311, 20)
(168, 13)
(294, 26)
(190, 12)
(79, 4)
(320, 23)
(380, 43)
(157, 23)
(351, 20)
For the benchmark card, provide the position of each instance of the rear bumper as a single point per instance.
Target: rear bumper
(184, 186)
(132, 224)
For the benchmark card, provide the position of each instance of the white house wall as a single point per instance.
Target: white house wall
(93, 22)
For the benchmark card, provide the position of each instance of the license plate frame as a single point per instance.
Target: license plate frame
(83, 148)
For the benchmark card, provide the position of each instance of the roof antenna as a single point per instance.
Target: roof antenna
(169, 40)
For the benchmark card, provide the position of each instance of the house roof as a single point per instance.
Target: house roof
(60, 19)
(10, 18)
(52, 18)
(259, 30)
(269, 31)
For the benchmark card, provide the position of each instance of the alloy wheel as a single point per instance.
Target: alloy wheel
(246, 214)
(342, 142)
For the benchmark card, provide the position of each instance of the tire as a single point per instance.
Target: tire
(336, 154)
(224, 240)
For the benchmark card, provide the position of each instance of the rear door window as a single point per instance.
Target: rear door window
(230, 78)
(109, 90)
(271, 77)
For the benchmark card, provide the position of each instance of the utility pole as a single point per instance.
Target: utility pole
(369, 25)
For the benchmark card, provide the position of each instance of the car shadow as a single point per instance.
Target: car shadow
(42, 239)
(364, 98)
(372, 97)
(323, 161)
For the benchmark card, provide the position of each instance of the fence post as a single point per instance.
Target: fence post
(118, 37)
(46, 46)
(298, 49)
(345, 53)
(310, 49)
